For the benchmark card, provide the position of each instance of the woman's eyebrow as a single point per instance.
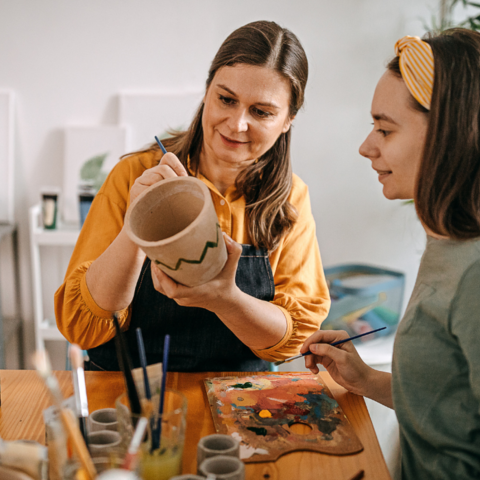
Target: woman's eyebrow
(382, 116)
(263, 104)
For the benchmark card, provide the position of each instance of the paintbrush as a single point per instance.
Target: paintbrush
(125, 365)
(79, 388)
(132, 454)
(160, 144)
(332, 344)
(143, 363)
(44, 369)
(157, 435)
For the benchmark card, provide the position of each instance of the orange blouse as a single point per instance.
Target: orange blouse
(301, 291)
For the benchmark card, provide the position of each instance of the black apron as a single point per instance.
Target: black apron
(199, 340)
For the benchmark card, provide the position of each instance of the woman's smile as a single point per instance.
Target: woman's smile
(382, 174)
(230, 142)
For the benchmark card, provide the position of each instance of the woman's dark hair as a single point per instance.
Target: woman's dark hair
(267, 183)
(447, 190)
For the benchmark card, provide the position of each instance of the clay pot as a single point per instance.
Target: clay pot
(174, 222)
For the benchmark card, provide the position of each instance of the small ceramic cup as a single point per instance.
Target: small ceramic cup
(103, 419)
(217, 444)
(103, 443)
(223, 468)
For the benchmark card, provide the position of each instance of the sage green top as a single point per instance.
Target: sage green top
(436, 366)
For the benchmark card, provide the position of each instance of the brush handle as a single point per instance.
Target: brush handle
(82, 421)
(78, 444)
(160, 144)
(143, 363)
(339, 342)
(157, 435)
(126, 366)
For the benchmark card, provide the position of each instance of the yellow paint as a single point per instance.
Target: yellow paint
(265, 414)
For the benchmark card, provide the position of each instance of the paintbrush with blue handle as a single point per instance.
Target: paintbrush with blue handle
(332, 344)
(160, 144)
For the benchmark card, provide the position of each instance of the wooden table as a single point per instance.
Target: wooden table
(24, 397)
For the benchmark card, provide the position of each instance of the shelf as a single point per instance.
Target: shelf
(64, 235)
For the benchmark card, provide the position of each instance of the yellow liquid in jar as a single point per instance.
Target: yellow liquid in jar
(161, 466)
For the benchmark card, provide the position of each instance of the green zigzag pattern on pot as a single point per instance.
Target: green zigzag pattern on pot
(185, 260)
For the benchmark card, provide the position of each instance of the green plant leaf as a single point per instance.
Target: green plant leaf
(100, 178)
(92, 167)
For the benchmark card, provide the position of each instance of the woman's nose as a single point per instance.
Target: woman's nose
(238, 120)
(368, 148)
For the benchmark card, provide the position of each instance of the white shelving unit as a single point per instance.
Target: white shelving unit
(65, 235)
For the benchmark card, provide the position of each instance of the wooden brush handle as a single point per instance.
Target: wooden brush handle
(70, 424)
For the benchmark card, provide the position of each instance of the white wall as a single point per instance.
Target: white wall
(66, 60)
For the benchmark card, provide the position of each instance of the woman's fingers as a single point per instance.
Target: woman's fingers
(174, 164)
(169, 167)
(162, 282)
(324, 336)
(324, 350)
(234, 251)
(311, 363)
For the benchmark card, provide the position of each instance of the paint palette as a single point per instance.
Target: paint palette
(271, 415)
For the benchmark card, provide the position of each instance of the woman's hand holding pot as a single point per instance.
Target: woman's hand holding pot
(215, 295)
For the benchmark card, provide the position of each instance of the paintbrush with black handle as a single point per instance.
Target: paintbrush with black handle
(331, 344)
(125, 365)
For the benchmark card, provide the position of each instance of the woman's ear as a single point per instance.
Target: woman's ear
(288, 124)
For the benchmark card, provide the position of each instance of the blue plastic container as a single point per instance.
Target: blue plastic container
(364, 298)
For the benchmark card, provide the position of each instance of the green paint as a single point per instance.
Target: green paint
(257, 430)
(184, 260)
(242, 385)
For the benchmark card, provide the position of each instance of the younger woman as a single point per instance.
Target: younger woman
(425, 145)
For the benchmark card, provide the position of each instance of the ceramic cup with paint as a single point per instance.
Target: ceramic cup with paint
(174, 222)
(222, 467)
(103, 419)
(217, 444)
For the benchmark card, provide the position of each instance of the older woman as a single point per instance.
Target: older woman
(271, 294)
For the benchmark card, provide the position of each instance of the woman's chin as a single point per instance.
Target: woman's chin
(391, 194)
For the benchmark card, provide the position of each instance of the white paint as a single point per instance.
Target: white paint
(247, 451)
(67, 63)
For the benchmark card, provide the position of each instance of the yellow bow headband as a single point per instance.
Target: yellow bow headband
(416, 66)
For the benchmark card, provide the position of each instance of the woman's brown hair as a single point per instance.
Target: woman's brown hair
(447, 191)
(267, 183)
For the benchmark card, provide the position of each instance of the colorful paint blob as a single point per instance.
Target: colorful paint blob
(269, 404)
